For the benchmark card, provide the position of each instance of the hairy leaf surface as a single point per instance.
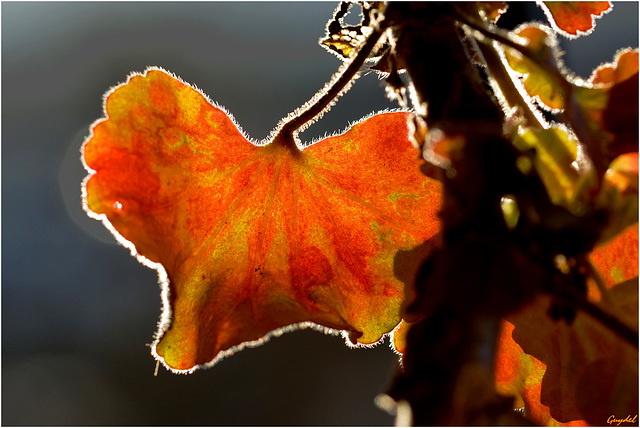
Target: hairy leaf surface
(251, 238)
(572, 18)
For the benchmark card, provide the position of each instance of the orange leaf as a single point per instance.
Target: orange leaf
(617, 260)
(574, 19)
(520, 375)
(249, 239)
(620, 117)
(492, 10)
(624, 65)
(400, 337)
(610, 103)
(589, 373)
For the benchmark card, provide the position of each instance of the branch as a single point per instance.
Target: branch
(302, 117)
(573, 298)
(507, 88)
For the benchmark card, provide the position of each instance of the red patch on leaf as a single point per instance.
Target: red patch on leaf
(572, 18)
(250, 239)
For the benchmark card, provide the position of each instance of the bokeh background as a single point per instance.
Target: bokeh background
(77, 310)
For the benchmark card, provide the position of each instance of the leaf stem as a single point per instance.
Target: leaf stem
(572, 113)
(496, 34)
(507, 88)
(491, 34)
(607, 320)
(286, 133)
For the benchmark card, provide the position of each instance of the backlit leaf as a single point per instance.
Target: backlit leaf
(617, 260)
(618, 112)
(558, 163)
(572, 18)
(249, 239)
(400, 337)
(610, 105)
(492, 10)
(621, 116)
(590, 373)
(624, 65)
(538, 81)
(619, 194)
(520, 375)
(571, 182)
(345, 40)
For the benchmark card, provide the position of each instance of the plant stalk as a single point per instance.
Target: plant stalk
(286, 133)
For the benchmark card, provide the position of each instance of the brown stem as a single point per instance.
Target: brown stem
(609, 321)
(572, 114)
(508, 89)
(551, 70)
(286, 134)
(494, 35)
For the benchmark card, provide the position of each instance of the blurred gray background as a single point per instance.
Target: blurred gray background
(77, 310)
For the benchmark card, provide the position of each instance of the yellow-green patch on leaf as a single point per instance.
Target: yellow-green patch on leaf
(558, 162)
(250, 239)
(540, 82)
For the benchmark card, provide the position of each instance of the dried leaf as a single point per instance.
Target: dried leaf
(345, 40)
(251, 240)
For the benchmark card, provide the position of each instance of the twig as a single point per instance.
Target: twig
(609, 321)
(507, 87)
(317, 105)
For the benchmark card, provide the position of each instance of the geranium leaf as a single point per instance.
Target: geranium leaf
(584, 361)
(565, 176)
(573, 19)
(619, 115)
(585, 364)
(617, 260)
(610, 105)
(520, 375)
(492, 10)
(619, 194)
(538, 81)
(250, 239)
(400, 337)
(624, 65)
